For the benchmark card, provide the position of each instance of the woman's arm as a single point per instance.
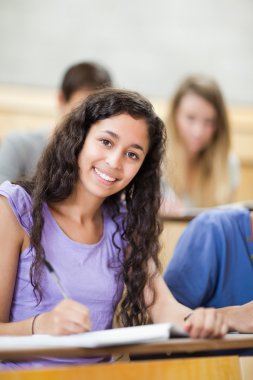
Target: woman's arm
(67, 317)
(239, 318)
(12, 238)
(200, 323)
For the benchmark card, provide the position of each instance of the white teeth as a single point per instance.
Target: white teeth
(104, 176)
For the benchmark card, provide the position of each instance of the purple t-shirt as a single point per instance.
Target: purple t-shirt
(89, 272)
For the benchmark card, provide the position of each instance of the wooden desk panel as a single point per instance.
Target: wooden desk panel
(221, 368)
(246, 364)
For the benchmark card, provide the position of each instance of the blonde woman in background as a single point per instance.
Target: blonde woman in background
(201, 169)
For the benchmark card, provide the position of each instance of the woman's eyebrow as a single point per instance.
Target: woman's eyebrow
(116, 136)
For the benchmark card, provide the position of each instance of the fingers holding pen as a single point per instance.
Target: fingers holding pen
(68, 317)
(72, 316)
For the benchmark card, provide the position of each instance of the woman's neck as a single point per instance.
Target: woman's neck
(80, 217)
(80, 205)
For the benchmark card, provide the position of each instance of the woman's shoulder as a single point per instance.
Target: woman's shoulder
(15, 193)
(19, 201)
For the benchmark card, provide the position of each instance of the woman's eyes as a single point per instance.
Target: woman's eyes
(109, 144)
(132, 155)
(207, 122)
(106, 142)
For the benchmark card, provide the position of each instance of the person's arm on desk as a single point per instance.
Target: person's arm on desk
(199, 323)
(239, 318)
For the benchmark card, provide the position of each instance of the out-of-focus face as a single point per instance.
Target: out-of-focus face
(195, 122)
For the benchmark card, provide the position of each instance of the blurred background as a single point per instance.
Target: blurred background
(147, 45)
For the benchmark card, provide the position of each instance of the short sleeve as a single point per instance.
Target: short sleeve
(20, 202)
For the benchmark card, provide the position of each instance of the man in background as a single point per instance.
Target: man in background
(20, 151)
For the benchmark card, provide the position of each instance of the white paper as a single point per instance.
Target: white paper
(120, 336)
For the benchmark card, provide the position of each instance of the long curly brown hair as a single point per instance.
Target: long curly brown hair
(57, 173)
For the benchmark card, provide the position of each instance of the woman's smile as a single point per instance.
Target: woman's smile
(105, 178)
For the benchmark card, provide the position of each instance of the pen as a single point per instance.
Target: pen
(56, 278)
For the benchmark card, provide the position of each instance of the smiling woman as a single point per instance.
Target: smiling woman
(87, 212)
(112, 154)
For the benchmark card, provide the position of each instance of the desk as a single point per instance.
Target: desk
(222, 368)
(207, 368)
(180, 345)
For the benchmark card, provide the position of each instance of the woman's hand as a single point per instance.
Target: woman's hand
(205, 323)
(68, 317)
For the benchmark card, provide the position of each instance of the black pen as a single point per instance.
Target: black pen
(56, 278)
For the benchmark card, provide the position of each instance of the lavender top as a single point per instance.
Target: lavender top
(89, 272)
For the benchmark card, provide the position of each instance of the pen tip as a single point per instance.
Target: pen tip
(48, 265)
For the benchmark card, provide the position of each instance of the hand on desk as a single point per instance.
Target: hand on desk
(206, 323)
(68, 317)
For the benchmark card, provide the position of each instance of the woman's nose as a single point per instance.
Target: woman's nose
(197, 129)
(114, 159)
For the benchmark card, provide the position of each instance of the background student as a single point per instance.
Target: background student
(20, 151)
(86, 211)
(212, 265)
(201, 169)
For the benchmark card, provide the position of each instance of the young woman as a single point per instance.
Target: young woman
(202, 171)
(91, 211)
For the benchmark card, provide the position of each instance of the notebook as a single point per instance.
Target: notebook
(114, 337)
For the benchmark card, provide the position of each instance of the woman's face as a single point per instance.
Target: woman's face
(112, 154)
(195, 122)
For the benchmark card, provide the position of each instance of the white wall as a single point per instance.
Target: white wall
(147, 45)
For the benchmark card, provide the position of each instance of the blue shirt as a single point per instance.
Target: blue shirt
(212, 263)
